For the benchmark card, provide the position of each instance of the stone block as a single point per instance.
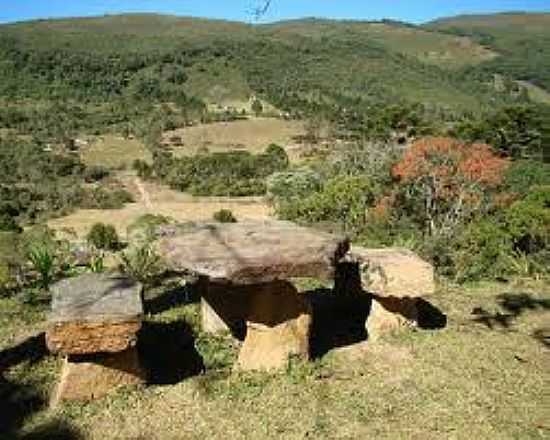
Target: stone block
(277, 327)
(90, 377)
(394, 272)
(253, 252)
(94, 313)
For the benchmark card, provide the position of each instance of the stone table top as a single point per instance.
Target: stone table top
(96, 298)
(252, 252)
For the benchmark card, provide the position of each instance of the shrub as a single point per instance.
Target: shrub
(528, 221)
(257, 107)
(5, 276)
(101, 198)
(516, 242)
(42, 260)
(8, 223)
(144, 227)
(224, 216)
(235, 173)
(445, 182)
(293, 184)
(342, 200)
(524, 174)
(484, 251)
(142, 264)
(104, 237)
(142, 168)
(95, 174)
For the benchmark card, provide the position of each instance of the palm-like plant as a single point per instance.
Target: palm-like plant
(42, 260)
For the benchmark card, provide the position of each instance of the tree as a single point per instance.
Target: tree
(257, 107)
(445, 181)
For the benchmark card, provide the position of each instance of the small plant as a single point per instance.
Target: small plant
(5, 277)
(97, 263)
(142, 264)
(224, 216)
(257, 107)
(42, 260)
(104, 237)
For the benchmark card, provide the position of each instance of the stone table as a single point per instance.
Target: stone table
(244, 271)
(94, 322)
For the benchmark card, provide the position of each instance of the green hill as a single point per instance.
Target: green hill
(92, 58)
(522, 40)
(85, 74)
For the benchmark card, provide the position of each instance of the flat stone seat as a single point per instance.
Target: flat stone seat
(94, 313)
(244, 270)
(253, 252)
(94, 323)
(397, 278)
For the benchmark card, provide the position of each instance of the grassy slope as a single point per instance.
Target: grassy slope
(523, 40)
(431, 47)
(389, 60)
(466, 381)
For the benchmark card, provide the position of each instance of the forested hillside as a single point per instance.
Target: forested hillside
(521, 40)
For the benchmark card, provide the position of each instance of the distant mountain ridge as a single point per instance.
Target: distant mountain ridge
(447, 62)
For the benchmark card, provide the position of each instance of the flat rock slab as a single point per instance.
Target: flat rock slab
(94, 313)
(253, 252)
(394, 272)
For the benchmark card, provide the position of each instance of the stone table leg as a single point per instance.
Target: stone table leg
(278, 326)
(223, 307)
(89, 377)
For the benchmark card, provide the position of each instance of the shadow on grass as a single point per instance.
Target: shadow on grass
(543, 336)
(513, 305)
(32, 349)
(167, 351)
(340, 315)
(18, 401)
(338, 320)
(429, 316)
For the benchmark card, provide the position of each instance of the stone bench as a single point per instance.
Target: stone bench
(93, 323)
(244, 271)
(397, 279)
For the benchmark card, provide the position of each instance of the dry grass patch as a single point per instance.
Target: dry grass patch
(114, 152)
(160, 200)
(253, 135)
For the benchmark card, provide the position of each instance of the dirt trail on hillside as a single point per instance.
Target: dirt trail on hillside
(145, 199)
(152, 198)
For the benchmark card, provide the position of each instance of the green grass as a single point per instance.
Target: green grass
(429, 47)
(465, 381)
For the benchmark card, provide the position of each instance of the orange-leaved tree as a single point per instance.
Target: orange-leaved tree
(446, 181)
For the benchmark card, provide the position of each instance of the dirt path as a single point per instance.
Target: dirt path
(145, 199)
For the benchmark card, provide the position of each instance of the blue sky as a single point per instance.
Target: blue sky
(406, 10)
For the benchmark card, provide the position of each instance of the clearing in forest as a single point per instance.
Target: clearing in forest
(152, 198)
(253, 135)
